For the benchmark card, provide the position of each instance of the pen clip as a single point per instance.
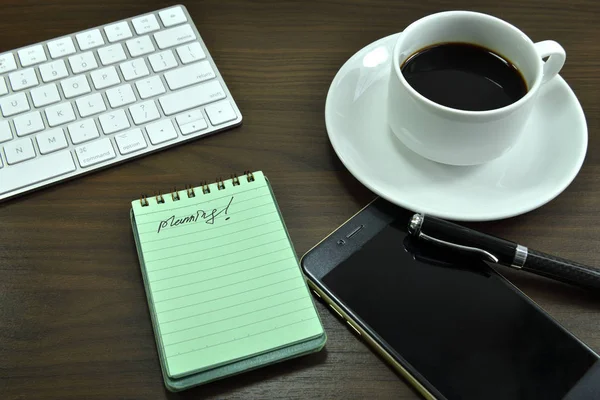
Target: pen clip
(432, 255)
(414, 228)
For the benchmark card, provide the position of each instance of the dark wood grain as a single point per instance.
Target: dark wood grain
(74, 322)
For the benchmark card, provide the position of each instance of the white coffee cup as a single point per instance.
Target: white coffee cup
(452, 136)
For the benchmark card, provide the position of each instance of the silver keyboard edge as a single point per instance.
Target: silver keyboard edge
(119, 159)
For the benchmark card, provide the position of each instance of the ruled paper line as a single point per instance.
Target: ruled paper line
(220, 255)
(221, 276)
(238, 326)
(234, 305)
(215, 247)
(200, 200)
(219, 266)
(210, 238)
(221, 287)
(247, 336)
(229, 295)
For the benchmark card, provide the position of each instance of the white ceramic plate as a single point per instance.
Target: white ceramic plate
(540, 166)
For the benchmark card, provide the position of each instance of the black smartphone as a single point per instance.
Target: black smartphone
(450, 324)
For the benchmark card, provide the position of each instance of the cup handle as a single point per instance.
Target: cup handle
(556, 58)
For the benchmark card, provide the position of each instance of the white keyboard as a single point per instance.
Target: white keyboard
(106, 95)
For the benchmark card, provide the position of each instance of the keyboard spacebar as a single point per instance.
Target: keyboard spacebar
(34, 171)
(191, 97)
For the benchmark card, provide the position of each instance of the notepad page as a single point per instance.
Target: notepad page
(223, 277)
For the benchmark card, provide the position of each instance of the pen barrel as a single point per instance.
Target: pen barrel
(503, 249)
(562, 270)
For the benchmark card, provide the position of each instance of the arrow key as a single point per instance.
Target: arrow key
(161, 131)
(220, 112)
(192, 127)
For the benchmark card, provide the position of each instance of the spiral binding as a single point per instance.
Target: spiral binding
(235, 180)
(190, 192)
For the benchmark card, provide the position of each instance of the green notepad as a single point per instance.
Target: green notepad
(224, 286)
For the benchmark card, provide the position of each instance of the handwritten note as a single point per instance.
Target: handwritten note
(198, 215)
(224, 282)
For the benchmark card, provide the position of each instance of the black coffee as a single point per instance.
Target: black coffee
(464, 76)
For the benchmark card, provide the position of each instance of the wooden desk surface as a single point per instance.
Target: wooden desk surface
(74, 321)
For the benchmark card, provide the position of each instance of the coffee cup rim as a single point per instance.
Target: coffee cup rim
(456, 111)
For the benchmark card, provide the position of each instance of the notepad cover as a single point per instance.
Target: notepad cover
(267, 303)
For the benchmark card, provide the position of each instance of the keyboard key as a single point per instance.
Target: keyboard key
(134, 69)
(144, 112)
(130, 141)
(162, 61)
(118, 31)
(18, 151)
(161, 131)
(95, 152)
(60, 114)
(140, 46)
(61, 96)
(7, 63)
(53, 70)
(120, 96)
(23, 79)
(172, 16)
(189, 116)
(3, 88)
(83, 62)
(174, 36)
(32, 55)
(150, 87)
(192, 127)
(191, 52)
(61, 47)
(14, 104)
(82, 131)
(189, 75)
(191, 97)
(34, 171)
(114, 121)
(5, 132)
(90, 105)
(145, 24)
(51, 140)
(90, 39)
(111, 54)
(105, 77)
(75, 86)
(45, 95)
(220, 112)
(29, 123)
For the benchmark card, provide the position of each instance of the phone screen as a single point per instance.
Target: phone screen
(469, 333)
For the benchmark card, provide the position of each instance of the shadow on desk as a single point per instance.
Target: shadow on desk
(258, 377)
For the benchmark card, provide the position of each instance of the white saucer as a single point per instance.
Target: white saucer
(540, 166)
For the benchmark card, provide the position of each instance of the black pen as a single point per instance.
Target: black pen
(502, 251)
